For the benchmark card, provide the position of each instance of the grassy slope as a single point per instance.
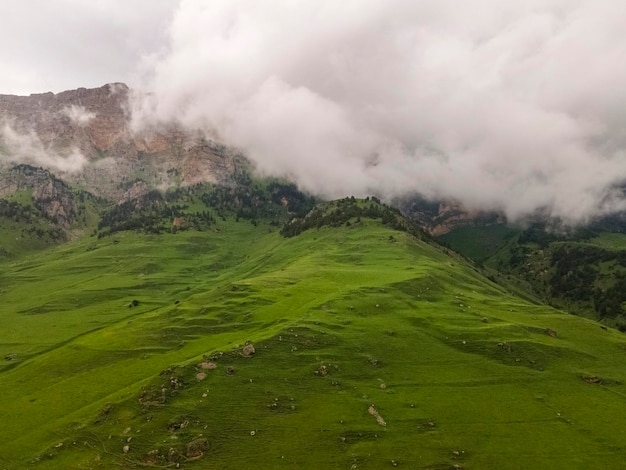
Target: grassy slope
(396, 322)
(528, 267)
(610, 241)
(479, 243)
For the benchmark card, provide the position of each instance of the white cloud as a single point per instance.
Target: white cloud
(511, 105)
(27, 148)
(55, 45)
(78, 115)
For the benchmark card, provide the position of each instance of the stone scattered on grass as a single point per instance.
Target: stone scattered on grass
(153, 457)
(592, 379)
(197, 448)
(248, 350)
(208, 365)
(379, 419)
(322, 371)
(104, 413)
(506, 347)
(550, 332)
(173, 455)
(200, 376)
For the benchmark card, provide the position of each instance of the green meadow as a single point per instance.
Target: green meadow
(349, 347)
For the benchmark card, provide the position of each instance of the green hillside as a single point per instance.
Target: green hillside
(479, 242)
(349, 346)
(582, 271)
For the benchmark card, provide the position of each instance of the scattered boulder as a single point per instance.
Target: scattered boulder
(322, 371)
(485, 320)
(550, 332)
(197, 448)
(230, 370)
(153, 457)
(126, 449)
(379, 419)
(10, 357)
(173, 455)
(104, 413)
(213, 356)
(506, 347)
(248, 350)
(592, 379)
(200, 376)
(180, 422)
(208, 365)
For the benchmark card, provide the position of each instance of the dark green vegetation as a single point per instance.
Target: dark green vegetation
(479, 243)
(198, 207)
(583, 271)
(353, 345)
(348, 211)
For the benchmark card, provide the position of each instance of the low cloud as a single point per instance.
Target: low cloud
(27, 148)
(517, 106)
(78, 115)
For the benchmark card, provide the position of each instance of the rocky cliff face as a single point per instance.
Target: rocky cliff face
(55, 200)
(84, 137)
(441, 217)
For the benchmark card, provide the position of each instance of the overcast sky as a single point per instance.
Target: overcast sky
(517, 105)
(56, 45)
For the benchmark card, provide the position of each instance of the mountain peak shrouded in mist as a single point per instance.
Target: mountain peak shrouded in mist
(508, 106)
(85, 137)
(512, 106)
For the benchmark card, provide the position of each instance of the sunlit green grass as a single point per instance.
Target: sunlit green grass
(610, 240)
(462, 372)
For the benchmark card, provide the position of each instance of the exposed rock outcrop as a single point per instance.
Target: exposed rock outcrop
(440, 217)
(49, 194)
(85, 137)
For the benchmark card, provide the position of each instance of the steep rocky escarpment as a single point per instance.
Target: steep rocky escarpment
(85, 137)
(51, 196)
(440, 217)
